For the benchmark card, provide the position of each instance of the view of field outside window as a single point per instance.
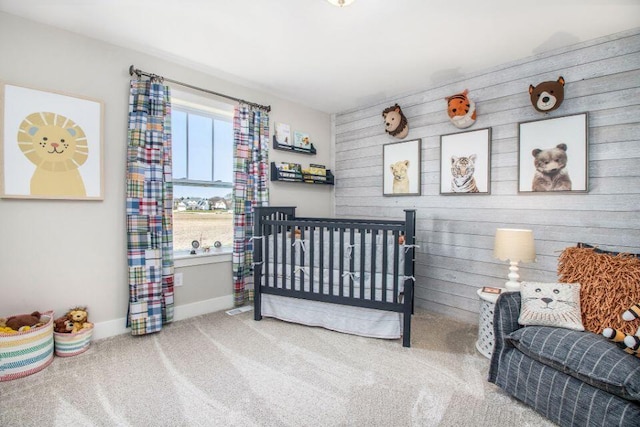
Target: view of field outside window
(203, 177)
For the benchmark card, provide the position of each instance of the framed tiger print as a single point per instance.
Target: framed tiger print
(465, 162)
(50, 145)
(552, 155)
(401, 162)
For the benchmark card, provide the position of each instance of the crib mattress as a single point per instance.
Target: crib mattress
(360, 321)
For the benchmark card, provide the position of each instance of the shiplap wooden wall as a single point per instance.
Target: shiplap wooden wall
(456, 233)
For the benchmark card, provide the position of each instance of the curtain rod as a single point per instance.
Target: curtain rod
(139, 73)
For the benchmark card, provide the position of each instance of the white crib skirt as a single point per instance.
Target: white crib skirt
(361, 321)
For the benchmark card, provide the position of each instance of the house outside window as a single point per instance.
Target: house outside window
(202, 144)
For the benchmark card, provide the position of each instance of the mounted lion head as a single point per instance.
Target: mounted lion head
(395, 123)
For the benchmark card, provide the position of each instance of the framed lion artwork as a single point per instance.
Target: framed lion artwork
(51, 145)
(401, 162)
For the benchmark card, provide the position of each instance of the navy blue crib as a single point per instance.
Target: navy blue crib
(352, 262)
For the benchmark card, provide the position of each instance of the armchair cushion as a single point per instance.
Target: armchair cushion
(583, 355)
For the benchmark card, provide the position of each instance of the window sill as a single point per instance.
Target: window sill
(184, 259)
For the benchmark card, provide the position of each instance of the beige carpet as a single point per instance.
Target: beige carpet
(221, 370)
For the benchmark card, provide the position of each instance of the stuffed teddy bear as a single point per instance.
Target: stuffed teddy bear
(629, 343)
(79, 317)
(23, 322)
(551, 169)
(461, 110)
(547, 96)
(395, 123)
(63, 325)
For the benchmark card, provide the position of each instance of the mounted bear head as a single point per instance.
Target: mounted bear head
(547, 96)
(461, 110)
(395, 123)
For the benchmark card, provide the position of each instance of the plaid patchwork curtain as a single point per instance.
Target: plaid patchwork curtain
(250, 189)
(149, 207)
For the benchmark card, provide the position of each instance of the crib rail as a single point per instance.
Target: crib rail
(355, 262)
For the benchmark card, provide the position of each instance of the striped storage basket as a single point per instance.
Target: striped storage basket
(25, 353)
(67, 344)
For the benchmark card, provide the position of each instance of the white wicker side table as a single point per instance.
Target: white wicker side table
(485, 327)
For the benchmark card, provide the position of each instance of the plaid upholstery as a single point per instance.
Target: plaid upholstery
(149, 213)
(560, 394)
(251, 160)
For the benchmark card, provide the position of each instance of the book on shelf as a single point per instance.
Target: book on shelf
(289, 170)
(282, 134)
(301, 140)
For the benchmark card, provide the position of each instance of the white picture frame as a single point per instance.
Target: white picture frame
(405, 158)
(546, 135)
(74, 169)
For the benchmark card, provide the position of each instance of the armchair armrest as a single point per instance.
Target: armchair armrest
(505, 321)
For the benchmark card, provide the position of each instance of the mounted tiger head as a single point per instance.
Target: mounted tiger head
(461, 110)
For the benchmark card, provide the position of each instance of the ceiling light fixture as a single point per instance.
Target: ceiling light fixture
(341, 3)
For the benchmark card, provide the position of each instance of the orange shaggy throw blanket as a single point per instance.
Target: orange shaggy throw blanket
(609, 286)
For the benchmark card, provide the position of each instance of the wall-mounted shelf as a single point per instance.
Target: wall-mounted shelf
(311, 151)
(295, 176)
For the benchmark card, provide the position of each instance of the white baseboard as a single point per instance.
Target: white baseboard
(115, 327)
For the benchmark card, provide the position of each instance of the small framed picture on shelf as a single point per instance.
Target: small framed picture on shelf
(490, 290)
(301, 140)
(281, 134)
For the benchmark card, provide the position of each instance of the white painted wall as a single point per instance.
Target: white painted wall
(57, 254)
(456, 232)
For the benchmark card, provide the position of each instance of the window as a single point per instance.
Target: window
(202, 138)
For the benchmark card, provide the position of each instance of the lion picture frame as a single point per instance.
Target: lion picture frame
(553, 155)
(401, 162)
(51, 145)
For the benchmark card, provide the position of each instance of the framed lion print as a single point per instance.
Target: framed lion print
(465, 163)
(50, 145)
(401, 162)
(552, 155)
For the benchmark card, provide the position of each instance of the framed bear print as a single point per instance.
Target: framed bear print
(552, 155)
(50, 145)
(401, 162)
(465, 163)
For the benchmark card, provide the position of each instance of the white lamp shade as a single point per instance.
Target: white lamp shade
(514, 245)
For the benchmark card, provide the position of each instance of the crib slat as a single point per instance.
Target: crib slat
(351, 262)
(341, 264)
(321, 259)
(396, 262)
(385, 262)
(363, 248)
(372, 269)
(331, 261)
(311, 251)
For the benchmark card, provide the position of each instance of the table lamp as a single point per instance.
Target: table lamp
(514, 245)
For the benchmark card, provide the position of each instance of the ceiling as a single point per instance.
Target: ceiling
(335, 59)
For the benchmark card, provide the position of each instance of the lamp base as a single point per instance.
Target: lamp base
(513, 285)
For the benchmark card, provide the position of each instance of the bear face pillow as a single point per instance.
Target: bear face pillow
(551, 304)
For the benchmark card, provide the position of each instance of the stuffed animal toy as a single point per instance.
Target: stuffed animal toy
(551, 169)
(395, 123)
(4, 329)
(79, 317)
(629, 343)
(23, 322)
(461, 110)
(547, 96)
(63, 325)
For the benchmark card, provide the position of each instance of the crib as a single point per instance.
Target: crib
(349, 275)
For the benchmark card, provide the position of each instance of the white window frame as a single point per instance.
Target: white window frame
(193, 104)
